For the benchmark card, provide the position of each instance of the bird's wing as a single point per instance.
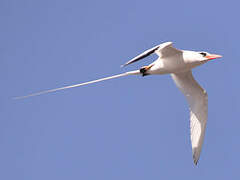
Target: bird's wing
(164, 49)
(198, 101)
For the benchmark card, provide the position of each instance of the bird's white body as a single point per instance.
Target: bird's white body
(170, 65)
(178, 63)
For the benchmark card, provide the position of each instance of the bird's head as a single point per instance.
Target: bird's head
(208, 56)
(194, 56)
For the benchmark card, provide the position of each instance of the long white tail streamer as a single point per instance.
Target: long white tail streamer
(81, 84)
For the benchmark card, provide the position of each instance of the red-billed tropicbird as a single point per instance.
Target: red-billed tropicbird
(178, 63)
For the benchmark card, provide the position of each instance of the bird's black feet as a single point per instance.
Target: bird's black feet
(143, 71)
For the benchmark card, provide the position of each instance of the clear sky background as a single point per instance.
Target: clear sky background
(127, 128)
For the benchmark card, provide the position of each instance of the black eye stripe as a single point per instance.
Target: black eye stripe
(203, 53)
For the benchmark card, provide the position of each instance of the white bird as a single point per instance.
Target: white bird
(178, 63)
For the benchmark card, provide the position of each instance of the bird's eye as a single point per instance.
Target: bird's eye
(203, 53)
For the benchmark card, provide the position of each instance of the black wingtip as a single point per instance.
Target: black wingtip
(195, 157)
(195, 162)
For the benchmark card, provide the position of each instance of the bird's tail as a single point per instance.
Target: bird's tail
(136, 72)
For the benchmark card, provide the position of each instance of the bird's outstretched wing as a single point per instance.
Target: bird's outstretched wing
(164, 49)
(198, 101)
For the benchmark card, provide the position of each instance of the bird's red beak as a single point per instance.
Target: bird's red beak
(213, 56)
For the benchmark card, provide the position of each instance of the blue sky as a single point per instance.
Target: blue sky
(128, 128)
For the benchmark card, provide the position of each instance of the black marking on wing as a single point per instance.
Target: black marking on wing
(141, 56)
